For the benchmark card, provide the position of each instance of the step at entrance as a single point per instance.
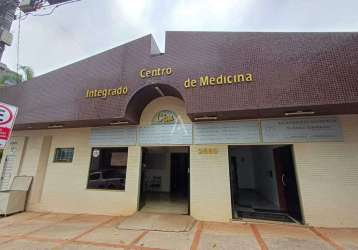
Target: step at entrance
(158, 222)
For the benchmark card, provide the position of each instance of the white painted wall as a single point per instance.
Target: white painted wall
(245, 166)
(265, 183)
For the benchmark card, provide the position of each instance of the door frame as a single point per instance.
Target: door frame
(282, 193)
(233, 177)
(187, 174)
(141, 194)
(294, 169)
(279, 175)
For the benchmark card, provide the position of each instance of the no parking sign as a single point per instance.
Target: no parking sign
(7, 119)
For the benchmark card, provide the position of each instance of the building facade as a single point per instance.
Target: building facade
(222, 126)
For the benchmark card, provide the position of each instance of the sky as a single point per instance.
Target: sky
(82, 29)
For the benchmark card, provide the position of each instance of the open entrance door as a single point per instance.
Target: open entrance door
(263, 183)
(286, 184)
(179, 181)
(165, 180)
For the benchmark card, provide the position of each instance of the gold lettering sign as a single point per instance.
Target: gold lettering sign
(207, 151)
(205, 81)
(149, 73)
(165, 117)
(104, 93)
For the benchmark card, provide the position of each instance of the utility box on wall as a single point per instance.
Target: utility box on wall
(6, 37)
(27, 5)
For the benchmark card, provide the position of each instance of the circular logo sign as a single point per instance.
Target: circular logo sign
(6, 114)
(165, 117)
(95, 153)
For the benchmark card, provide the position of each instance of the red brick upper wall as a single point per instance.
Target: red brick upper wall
(290, 70)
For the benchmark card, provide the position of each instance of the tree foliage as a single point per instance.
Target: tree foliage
(11, 78)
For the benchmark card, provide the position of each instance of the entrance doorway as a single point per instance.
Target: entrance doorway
(165, 180)
(263, 183)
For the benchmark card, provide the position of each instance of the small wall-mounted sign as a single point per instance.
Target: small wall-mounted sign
(13, 146)
(7, 119)
(208, 151)
(302, 129)
(95, 153)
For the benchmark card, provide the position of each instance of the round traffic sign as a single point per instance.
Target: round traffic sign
(6, 115)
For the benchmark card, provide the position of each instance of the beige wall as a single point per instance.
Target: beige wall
(34, 163)
(327, 176)
(16, 146)
(210, 184)
(64, 188)
(39, 172)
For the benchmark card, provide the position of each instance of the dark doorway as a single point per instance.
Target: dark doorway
(234, 185)
(263, 183)
(165, 180)
(179, 173)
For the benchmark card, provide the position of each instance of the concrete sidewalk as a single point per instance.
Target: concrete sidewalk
(68, 231)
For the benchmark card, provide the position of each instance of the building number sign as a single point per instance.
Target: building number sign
(208, 151)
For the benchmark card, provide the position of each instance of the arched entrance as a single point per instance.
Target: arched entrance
(165, 162)
(142, 97)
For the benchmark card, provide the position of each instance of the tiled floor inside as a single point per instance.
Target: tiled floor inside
(160, 202)
(68, 231)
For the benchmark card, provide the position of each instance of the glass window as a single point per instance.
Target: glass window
(108, 168)
(63, 154)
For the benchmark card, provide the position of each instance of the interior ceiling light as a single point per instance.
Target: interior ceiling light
(299, 112)
(118, 123)
(56, 126)
(159, 91)
(205, 118)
